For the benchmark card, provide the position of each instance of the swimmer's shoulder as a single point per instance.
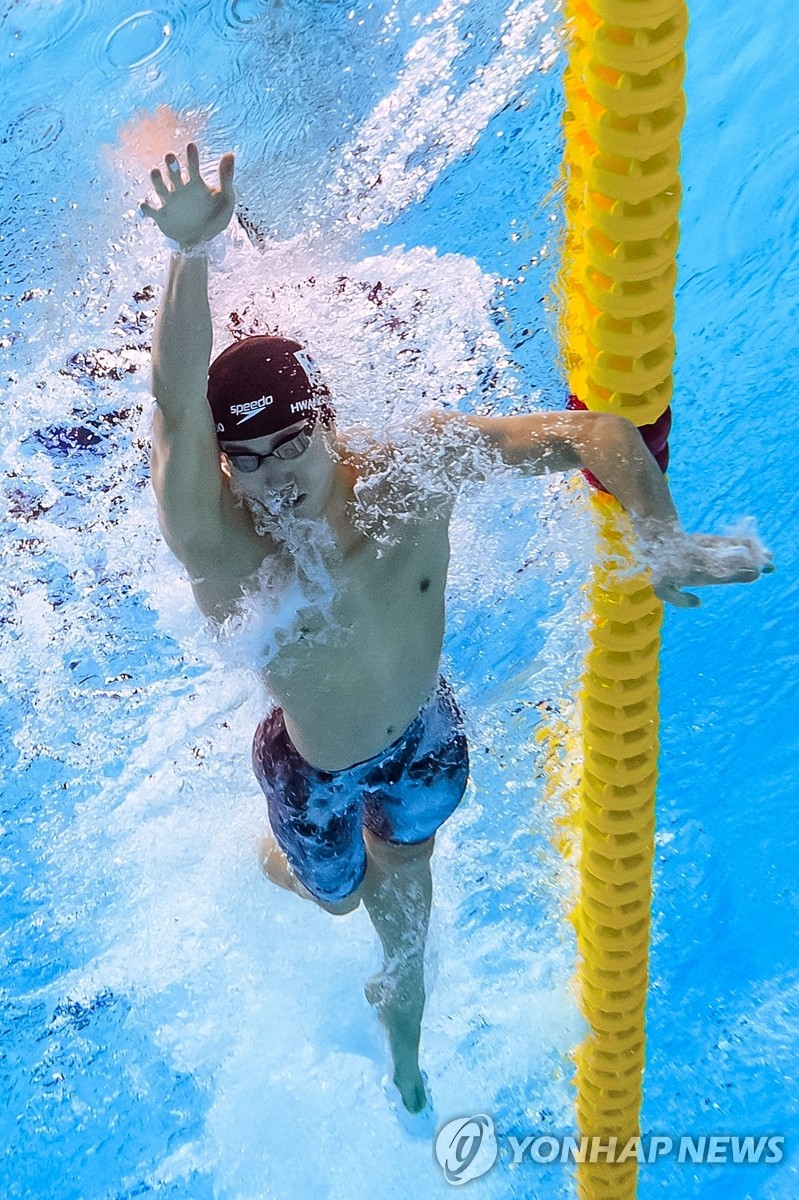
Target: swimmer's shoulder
(398, 473)
(222, 570)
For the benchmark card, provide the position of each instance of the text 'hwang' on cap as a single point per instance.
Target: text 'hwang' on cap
(260, 385)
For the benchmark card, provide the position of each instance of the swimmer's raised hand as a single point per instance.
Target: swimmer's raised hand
(191, 212)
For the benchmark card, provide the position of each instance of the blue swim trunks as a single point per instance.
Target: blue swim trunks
(402, 794)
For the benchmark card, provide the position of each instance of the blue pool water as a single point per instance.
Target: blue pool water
(170, 1025)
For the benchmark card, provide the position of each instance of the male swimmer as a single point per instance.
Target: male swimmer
(365, 756)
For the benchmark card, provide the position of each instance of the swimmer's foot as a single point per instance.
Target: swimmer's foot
(420, 1125)
(412, 1091)
(401, 1017)
(277, 870)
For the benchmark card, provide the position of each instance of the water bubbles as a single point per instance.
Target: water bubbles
(27, 29)
(243, 12)
(237, 20)
(38, 128)
(137, 40)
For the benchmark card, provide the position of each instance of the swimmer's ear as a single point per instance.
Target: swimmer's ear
(224, 464)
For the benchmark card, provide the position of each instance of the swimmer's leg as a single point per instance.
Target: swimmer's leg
(275, 867)
(397, 891)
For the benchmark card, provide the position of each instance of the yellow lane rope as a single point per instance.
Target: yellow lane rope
(624, 113)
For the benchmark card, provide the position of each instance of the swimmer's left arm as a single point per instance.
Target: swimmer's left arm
(609, 446)
(612, 449)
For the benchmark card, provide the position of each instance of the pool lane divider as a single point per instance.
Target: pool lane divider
(624, 111)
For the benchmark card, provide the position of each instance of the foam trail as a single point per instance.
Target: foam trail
(425, 123)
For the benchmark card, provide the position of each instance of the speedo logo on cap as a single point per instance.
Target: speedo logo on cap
(250, 409)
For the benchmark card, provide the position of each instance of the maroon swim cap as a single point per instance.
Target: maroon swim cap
(260, 385)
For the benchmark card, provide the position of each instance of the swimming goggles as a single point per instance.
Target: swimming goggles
(291, 447)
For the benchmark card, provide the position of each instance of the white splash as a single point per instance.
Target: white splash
(425, 123)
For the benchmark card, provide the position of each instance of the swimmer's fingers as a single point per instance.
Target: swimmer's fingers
(226, 167)
(703, 560)
(744, 551)
(191, 212)
(672, 595)
(193, 162)
(721, 575)
(732, 561)
(157, 179)
(173, 169)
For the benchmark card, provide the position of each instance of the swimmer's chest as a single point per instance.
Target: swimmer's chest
(403, 581)
(389, 604)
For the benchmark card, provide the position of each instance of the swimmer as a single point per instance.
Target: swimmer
(364, 756)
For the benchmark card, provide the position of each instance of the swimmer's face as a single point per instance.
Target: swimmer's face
(301, 482)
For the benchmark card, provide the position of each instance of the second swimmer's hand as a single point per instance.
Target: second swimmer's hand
(191, 212)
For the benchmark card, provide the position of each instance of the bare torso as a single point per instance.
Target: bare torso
(346, 698)
(352, 678)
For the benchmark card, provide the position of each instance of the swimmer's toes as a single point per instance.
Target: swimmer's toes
(411, 1086)
(416, 1098)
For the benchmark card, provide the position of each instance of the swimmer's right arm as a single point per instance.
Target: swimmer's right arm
(187, 477)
